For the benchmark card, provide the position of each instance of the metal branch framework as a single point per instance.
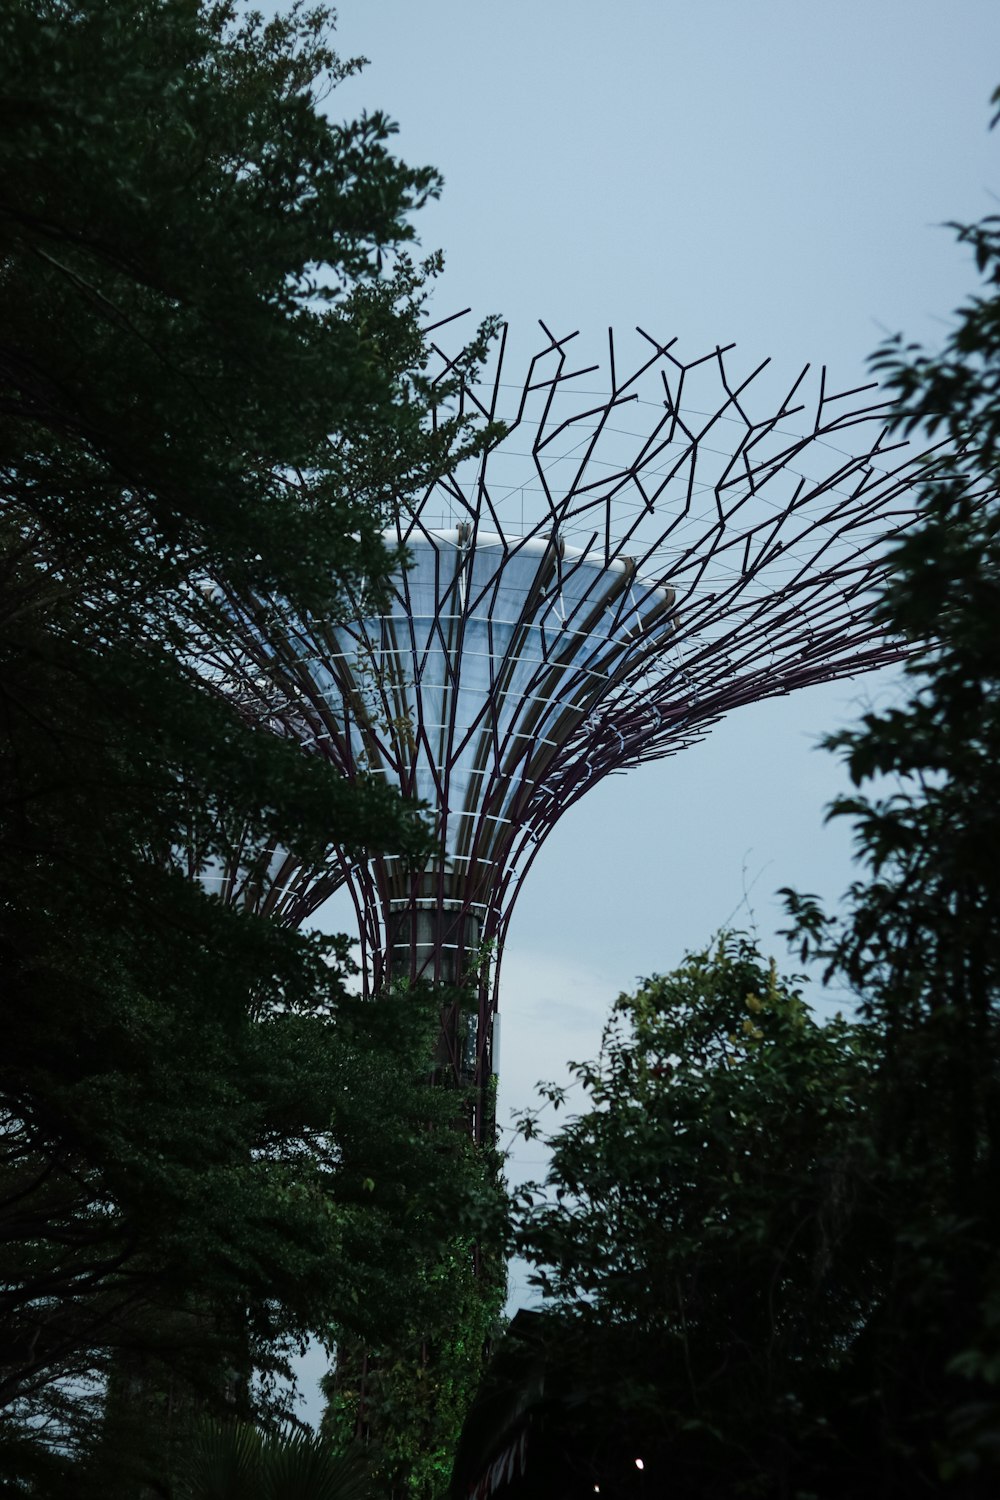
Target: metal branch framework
(614, 574)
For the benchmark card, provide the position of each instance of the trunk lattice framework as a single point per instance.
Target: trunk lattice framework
(633, 558)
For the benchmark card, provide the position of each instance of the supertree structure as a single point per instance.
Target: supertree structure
(625, 563)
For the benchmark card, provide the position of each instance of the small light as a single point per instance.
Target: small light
(639, 1464)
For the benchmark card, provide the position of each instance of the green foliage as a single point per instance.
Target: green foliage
(211, 387)
(713, 1100)
(920, 940)
(234, 1461)
(202, 364)
(409, 1396)
(689, 1235)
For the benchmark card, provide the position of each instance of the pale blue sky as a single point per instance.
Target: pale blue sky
(767, 171)
(761, 170)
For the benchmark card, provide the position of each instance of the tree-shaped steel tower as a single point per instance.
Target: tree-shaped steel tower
(625, 564)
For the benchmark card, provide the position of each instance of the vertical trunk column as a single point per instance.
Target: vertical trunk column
(432, 940)
(435, 942)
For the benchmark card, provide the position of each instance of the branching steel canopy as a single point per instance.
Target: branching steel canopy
(615, 573)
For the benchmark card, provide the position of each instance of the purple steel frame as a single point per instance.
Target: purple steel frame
(602, 611)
